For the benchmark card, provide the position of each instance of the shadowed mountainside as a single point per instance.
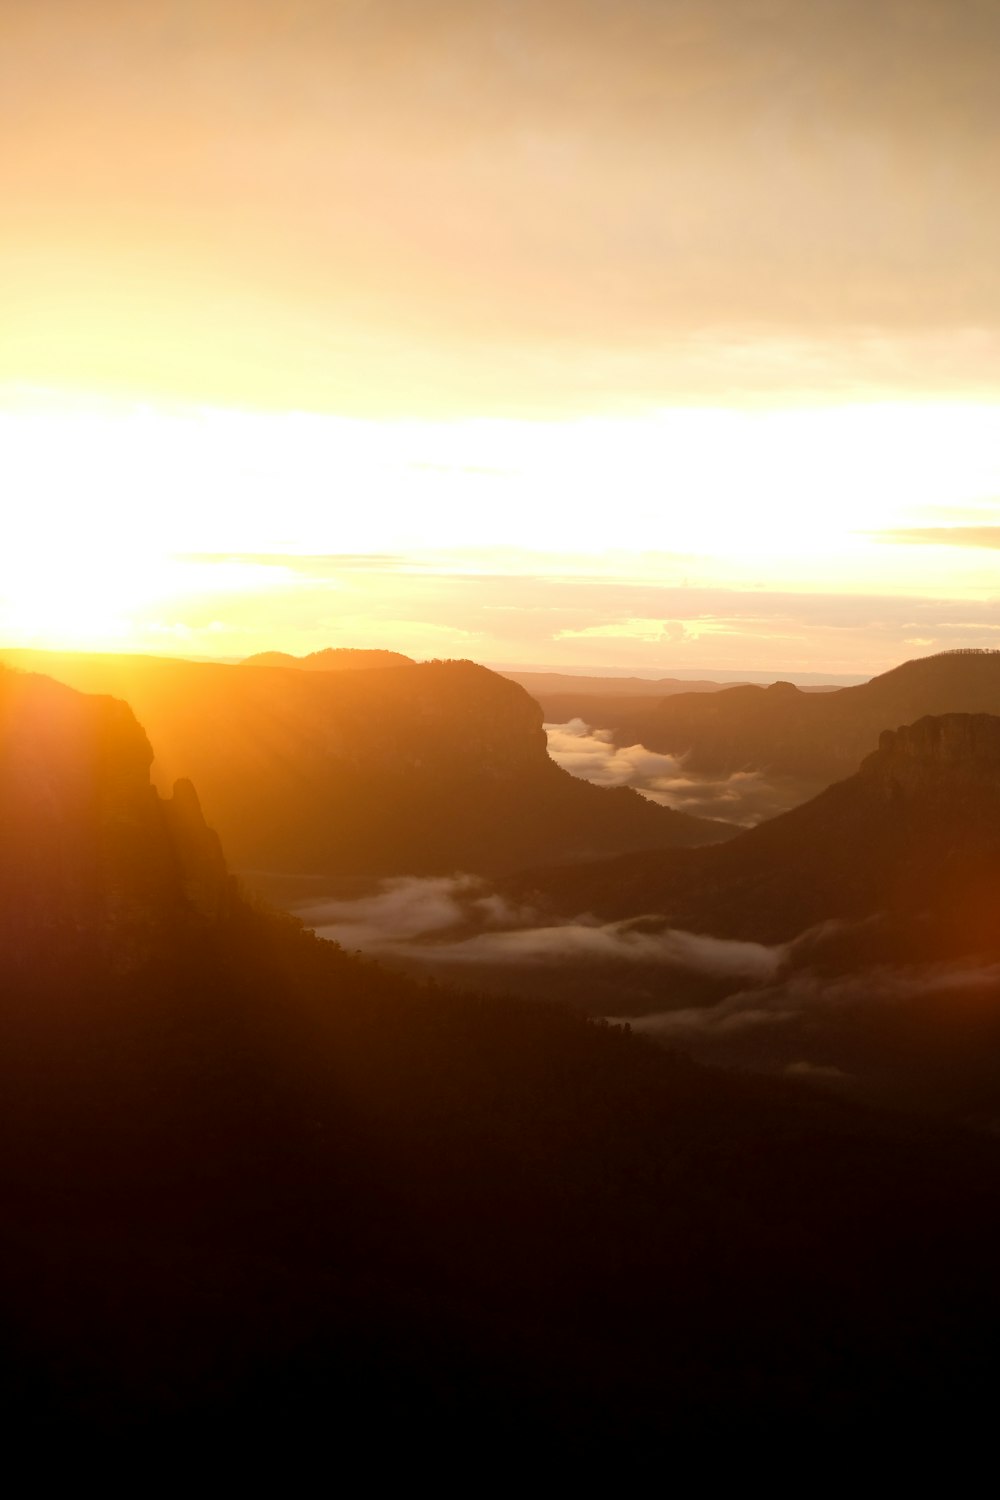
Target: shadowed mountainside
(819, 736)
(401, 769)
(255, 1185)
(915, 830)
(92, 859)
(853, 940)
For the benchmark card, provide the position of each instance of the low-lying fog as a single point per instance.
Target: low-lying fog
(745, 797)
(833, 1004)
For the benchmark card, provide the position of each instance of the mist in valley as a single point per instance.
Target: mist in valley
(426, 1068)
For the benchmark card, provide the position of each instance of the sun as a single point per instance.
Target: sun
(84, 596)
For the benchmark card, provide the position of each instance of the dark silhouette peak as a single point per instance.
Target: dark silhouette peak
(201, 863)
(91, 858)
(331, 659)
(783, 689)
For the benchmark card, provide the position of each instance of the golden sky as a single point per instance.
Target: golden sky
(610, 332)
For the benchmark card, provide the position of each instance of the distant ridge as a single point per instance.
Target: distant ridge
(915, 832)
(820, 736)
(331, 659)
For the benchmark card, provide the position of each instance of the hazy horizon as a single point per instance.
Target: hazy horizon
(554, 333)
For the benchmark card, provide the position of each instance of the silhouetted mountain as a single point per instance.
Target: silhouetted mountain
(608, 702)
(332, 659)
(915, 831)
(267, 1199)
(819, 736)
(602, 701)
(417, 768)
(91, 858)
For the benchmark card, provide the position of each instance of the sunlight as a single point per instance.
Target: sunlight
(126, 519)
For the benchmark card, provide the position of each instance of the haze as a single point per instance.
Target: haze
(623, 335)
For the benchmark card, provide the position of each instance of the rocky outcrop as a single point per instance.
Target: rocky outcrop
(950, 750)
(914, 833)
(91, 858)
(197, 850)
(416, 769)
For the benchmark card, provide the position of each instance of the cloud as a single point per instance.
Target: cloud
(804, 1069)
(408, 907)
(528, 202)
(674, 632)
(632, 629)
(806, 993)
(745, 797)
(986, 537)
(612, 942)
(460, 920)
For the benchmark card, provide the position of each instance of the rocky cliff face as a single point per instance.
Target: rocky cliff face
(915, 833)
(950, 751)
(817, 736)
(91, 858)
(412, 769)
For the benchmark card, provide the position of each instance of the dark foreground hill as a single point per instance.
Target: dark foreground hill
(817, 736)
(400, 769)
(264, 1199)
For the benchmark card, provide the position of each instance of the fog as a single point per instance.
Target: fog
(405, 908)
(808, 994)
(745, 797)
(460, 919)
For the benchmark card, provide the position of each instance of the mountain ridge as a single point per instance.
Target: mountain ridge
(926, 801)
(413, 768)
(257, 1183)
(821, 736)
(330, 659)
(90, 854)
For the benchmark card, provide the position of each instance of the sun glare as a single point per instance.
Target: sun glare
(127, 520)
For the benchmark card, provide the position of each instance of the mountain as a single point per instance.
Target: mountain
(607, 702)
(91, 857)
(332, 659)
(853, 941)
(402, 769)
(820, 736)
(601, 701)
(267, 1202)
(915, 830)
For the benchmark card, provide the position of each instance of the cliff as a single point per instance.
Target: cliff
(944, 754)
(91, 857)
(419, 768)
(915, 833)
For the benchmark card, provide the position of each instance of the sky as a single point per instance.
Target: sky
(618, 334)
